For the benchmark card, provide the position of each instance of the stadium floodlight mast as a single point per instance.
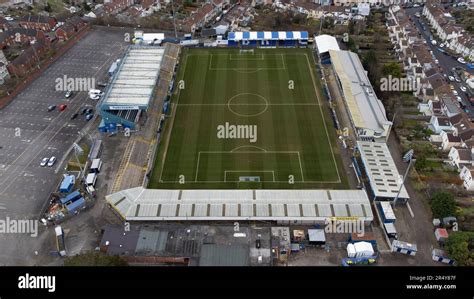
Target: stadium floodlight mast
(402, 181)
(174, 19)
(78, 151)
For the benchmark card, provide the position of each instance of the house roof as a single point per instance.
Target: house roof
(453, 139)
(28, 53)
(36, 19)
(465, 154)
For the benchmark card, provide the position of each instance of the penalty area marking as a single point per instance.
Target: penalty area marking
(246, 152)
(246, 70)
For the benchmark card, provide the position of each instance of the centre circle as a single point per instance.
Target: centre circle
(247, 104)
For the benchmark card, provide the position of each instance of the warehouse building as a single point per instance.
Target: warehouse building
(365, 110)
(127, 98)
(268, 39)
(282, 206)
(384, 178)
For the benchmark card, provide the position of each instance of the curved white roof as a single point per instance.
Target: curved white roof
(325, 42)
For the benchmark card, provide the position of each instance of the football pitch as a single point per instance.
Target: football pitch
(248, 119)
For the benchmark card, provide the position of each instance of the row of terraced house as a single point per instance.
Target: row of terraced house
(453, 131)
(34, 37)
(454, 35)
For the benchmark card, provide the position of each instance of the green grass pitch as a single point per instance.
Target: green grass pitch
(227, 95)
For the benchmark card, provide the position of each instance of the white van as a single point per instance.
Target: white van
(91, 179)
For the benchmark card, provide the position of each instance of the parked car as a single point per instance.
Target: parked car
(84, 111)
(89, 117)
(68, 94)
(51, 161)
(102, 84)
(451, 78)
(8, 18)
(455, 92)
(461, 60)
(459, 99)
(51, 107)
(75, 115)
(44, 162)
(62, 107)
(463, 88)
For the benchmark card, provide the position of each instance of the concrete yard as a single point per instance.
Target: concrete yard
(28, 133)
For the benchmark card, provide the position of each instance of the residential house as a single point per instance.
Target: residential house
(65, 31)
(20, 35)
(448, 140)
(27, 60)
(467, 176)
(4, 25)
(115, 6)
(77, 22)
(460, 157)
(440, 123)
(38, 22)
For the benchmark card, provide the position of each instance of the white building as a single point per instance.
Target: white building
(460, 157)
(467, 175)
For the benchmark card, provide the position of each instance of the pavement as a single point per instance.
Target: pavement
(28, 132)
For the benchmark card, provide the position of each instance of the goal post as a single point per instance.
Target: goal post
(246, 51)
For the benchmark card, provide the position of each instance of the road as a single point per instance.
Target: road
(28, 132)
(446, 62)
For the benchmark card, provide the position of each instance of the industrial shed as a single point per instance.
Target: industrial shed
(384, 178)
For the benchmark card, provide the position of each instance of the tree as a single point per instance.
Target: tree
(443, 204)
(460, 247)
(86, 7)
(94, 259)
(420, 163)
(47, 7)
(393, 68)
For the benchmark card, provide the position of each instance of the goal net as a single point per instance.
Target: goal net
(246, 51)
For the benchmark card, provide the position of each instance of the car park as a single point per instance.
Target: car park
(51, 107)
(44, 162)
(62, 107)
(51, 161)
